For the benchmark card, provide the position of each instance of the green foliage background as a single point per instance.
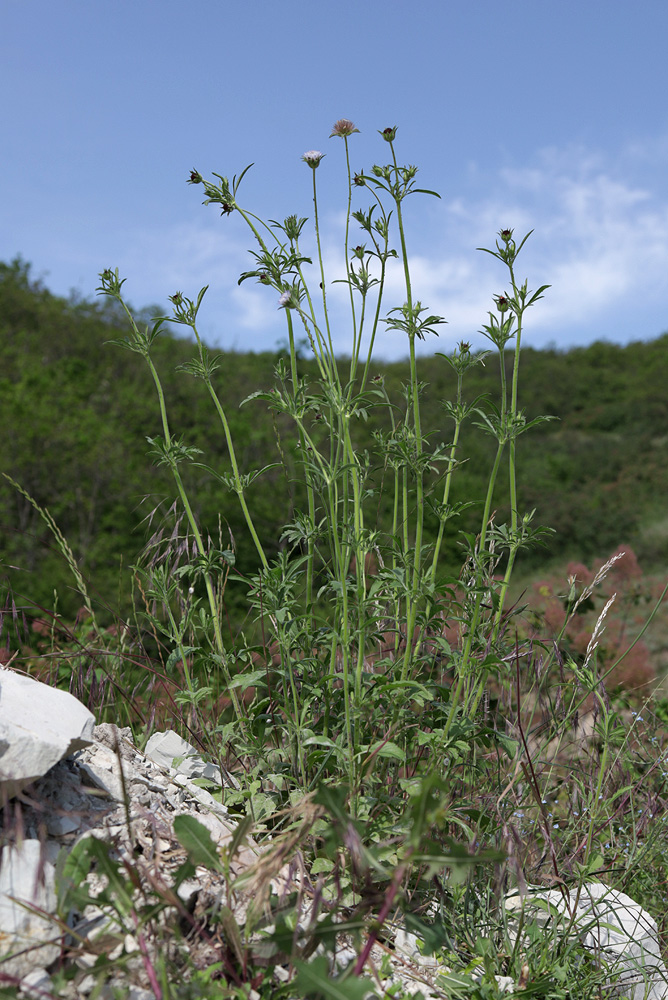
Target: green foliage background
(76, 412)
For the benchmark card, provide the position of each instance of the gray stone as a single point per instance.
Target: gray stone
(39, 725)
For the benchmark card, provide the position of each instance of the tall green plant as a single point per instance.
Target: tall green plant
(349, 582)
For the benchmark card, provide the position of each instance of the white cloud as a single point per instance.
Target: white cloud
(600, 240)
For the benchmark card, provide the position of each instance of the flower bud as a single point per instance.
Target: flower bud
(502, 303)
(195, 177)
(358, 179)
(506, 235)
(389, 134)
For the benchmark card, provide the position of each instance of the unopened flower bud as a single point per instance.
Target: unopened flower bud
(502, 303)
(195, 177)
(176, 298)
(506, 235)
(389, 134)
(358, 179)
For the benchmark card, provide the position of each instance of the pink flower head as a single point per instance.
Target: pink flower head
(312, 157)
(342, 128)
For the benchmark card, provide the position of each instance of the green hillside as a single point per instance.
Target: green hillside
(76, 412)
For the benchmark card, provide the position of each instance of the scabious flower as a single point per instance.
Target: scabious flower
(343, 127)
(312, 157)
(285, 300)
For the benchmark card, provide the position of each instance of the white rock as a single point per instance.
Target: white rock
(169, 750)
(622, 936)
(36, 984)
(103, 767)
(406, 944)
(39, 725)
(27, 880)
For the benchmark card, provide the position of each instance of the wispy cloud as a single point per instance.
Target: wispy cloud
(600, 240)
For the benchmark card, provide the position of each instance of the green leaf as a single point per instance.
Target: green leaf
(321, 865)
(385, 748)
(510, 746)
(240, 835)
(244, 681)
(320, 741)
(175, 656)
(433, 936)
(456, 984)
(314, 979)
(197, 841)
(232, 933)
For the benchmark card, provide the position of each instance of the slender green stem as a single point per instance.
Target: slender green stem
(323, 281)
(346, 257)
(310, 492)
(233, 458)
(210, 590)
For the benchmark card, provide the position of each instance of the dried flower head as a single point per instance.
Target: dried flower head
(312, 157)
(343, 127)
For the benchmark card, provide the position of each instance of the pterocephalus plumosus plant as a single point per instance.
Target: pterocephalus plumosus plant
(353, 604)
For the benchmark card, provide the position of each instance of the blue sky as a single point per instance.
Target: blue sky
(529, 114)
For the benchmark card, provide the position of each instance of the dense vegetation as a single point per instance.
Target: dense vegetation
(76, 412)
